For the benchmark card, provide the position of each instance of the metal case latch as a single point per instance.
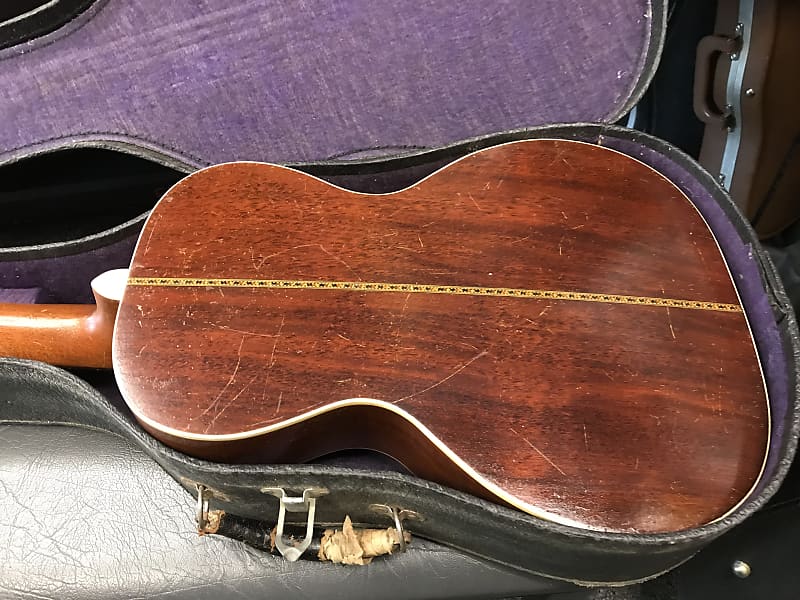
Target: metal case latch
(296, 504)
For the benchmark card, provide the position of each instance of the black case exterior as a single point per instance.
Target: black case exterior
(36, 393)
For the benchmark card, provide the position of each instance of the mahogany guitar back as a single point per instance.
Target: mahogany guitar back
(547, 324)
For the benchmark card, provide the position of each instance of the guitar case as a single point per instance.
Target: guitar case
(372, 96)
(744, 80)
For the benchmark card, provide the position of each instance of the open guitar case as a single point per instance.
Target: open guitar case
(105, 104)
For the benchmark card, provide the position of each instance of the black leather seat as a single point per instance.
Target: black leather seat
(85, 515)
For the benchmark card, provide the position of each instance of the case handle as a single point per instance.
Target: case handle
(709, 49)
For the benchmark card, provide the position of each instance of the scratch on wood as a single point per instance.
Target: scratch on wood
(275, 345)
(478, 206)
(560, 244)
(253, 259)
(278, 407)
(699, 253)
(520, 240)
(403, 313)
(266, 258)
(585, 438)
(297, 206)
(419, 237)
(215, 402)
(336, 258)
(229, 403)
(399, 328)
(311, 407)
(541, 314)
(320, 246)
(542, 454)
(149, 237)
(440, 382)
(669, 321)
(244, 331)
(272, 362)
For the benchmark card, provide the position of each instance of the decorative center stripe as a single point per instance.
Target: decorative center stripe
(423, 288)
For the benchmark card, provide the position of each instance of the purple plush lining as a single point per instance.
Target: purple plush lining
(747, 277)
(65, 279)
(214, 81)
(22, 295)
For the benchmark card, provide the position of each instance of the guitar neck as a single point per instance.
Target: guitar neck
(67, 335)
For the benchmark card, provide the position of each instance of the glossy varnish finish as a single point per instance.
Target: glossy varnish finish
(605, 413)
(61, 334)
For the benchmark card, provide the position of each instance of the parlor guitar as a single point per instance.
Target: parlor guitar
(546, 324)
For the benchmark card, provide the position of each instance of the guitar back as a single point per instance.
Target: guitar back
(547, 324)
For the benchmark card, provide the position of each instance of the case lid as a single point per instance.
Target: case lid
(192, 83)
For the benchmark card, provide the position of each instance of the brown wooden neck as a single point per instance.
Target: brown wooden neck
(67, 335)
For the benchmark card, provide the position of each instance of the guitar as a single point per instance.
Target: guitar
(546, 324)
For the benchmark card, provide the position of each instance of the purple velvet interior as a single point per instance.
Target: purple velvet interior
(214, 81)
(65, 279)
(22, 295)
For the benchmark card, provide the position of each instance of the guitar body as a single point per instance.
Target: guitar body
(546, 324)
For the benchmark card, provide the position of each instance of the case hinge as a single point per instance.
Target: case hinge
(398, 515)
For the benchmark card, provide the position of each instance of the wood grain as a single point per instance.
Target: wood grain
(607, 415)
(60, 334)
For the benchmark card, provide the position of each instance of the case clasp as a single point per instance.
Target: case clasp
(306, 503)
